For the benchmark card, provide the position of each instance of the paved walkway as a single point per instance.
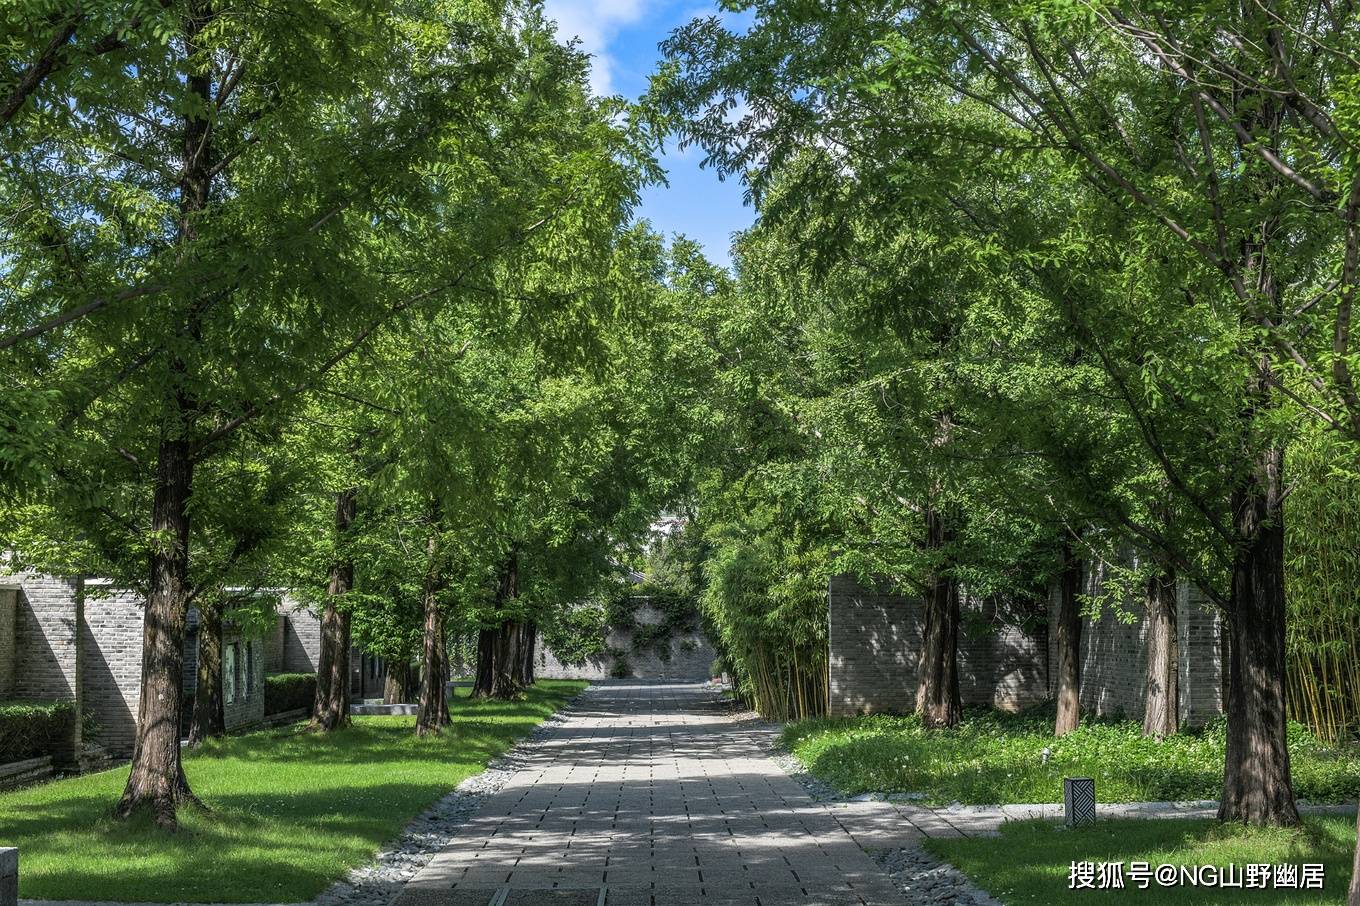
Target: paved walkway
(657, 795)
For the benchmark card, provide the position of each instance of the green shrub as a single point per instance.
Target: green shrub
(34, 729)
(289, 692)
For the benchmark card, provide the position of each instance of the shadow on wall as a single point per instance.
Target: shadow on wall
(45, 653)
(300, 642)
(875, 648)
(111, 695)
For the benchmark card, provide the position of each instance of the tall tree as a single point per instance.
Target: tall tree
(1061, 109)
(277, 199)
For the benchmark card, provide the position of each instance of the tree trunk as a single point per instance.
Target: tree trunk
(400, 687)
(499, 668)
(483, 679)
(433, 714)
(937, 698)
(1161, 711)
(1256, 783)
(157, 782)
(528, 640)
(506, 665)
(209, 719)
(331, 708)
(1068, 633)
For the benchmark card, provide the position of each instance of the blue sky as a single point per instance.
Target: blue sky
(622, 38)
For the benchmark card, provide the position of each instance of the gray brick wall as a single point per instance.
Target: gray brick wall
(248, 707)
(875, 643)
(111, 664)
(110, 655)
(273, 646)
(1114, 655)
(1201, 669)
(9, 603)
(691, 656)
(301, 638)
(44, 638)
(875, 640)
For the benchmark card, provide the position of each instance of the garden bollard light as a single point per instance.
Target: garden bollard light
(9, 877)
(1079, 800)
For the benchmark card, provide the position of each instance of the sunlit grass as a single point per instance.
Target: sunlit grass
(1030, 862)
(996, 758)
(290, 812)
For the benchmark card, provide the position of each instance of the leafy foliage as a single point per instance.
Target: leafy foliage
(289, 692)
(33, 729)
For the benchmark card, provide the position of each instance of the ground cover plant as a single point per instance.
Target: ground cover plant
(993, 757)
(290, 811)
(1032, 860)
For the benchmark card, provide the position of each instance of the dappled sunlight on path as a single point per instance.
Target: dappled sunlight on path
(655, 795)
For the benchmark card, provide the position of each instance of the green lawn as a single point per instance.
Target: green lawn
(290, 812)
(998, 758)
(1031, 861)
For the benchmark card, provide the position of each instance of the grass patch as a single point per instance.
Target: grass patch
(290, 812)
(1031, 861)
(996, 758)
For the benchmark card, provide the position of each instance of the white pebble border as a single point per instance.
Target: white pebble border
(923, 879)
(379, 882)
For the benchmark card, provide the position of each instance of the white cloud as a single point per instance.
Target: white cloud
(596, 23)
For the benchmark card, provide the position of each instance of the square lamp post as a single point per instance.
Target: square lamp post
(1079, 801)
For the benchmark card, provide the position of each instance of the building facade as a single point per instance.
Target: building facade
(59, 644)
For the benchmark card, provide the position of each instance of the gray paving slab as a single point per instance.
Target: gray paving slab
(651, 794)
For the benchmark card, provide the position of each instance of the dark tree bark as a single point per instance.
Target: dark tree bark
(502, 679)
(1256, 784)
(499, 650)
(433, 713)
(1068, 635)
(937, 696)
(400, 686)
(1161, 711)
(330, 710)
(483, 677)
(528, 639)
(157, 782)
(209, 718)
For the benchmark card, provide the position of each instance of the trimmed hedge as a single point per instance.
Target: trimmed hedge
(289, 691)
(34, 729)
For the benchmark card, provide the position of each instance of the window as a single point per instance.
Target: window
(231, 659)
(250, 668)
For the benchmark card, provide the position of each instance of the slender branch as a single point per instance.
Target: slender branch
(42, 67)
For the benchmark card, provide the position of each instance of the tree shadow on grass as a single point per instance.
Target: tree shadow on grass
(289, 812)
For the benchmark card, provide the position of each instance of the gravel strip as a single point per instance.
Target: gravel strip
(378, 883)
(922, 878)
(926, 880)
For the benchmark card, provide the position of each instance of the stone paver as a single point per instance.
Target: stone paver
(658, 795)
